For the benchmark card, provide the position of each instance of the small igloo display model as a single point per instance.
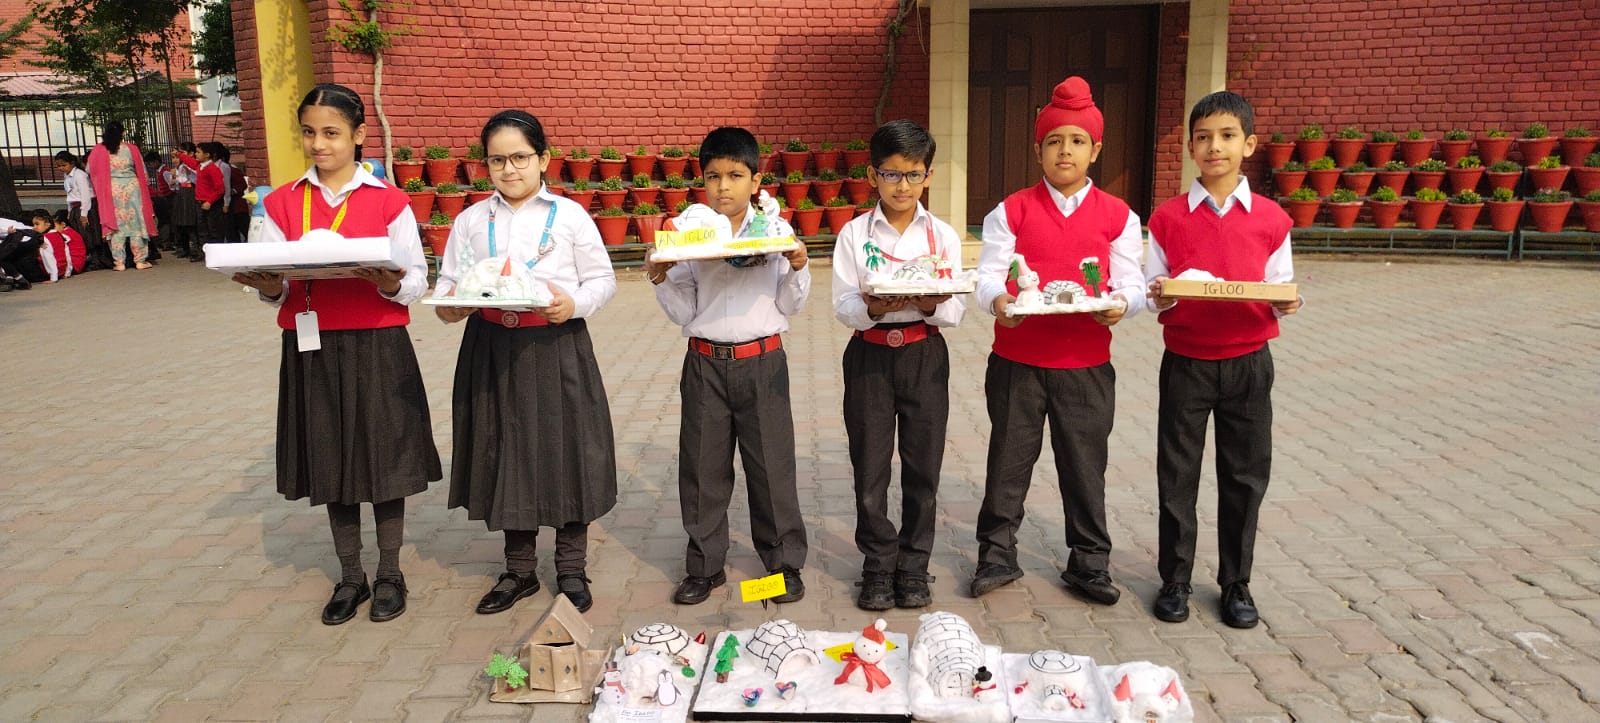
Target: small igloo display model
(1143, 692)
(652, 676)
(924, 275)
(1052, 686)
(955, 678)
(1059, 296)
(497, 283)
(781, 647)
(785, 673)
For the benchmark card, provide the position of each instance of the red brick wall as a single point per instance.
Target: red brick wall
(1170, 112)
(622, 73)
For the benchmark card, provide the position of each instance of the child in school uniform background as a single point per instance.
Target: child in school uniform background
(211, 192)
(532, 427)
(353, 423)
(896, 368)
(1217, 361)
(1055, 369)
(735, 382)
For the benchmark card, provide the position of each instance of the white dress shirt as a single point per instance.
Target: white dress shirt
(1124, 271)
(577, 262)
(79, 189)
(850, 266)
(720, 302)
(405, 243)
(1280, 265)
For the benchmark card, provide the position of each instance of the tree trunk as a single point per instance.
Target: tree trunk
(377, 106)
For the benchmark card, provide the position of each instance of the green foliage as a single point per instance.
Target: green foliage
(646, 209)
(1456, 134)
(1495, 133)
(1551, 195)
(1395, 165)
(837, 201)
(439, 219)
(1431, 194)
(858, 170)
(641, 180)
(672, 152)
(1592, 160)
(1576, 132)
(415, 185)
(794, 177)
(1311, 133)
(1357, 167)
(1432, 165)
(436, 153)
(1415, 134)
(1324, 163)
(795, 145)
(640, 151)
(613, 211)
(694, 151)
(1592, 196)
(1550, 162)
(674, 180)
(1384, 137)
(509, 668)
(1293, 165)
(855, 144)
(475, 151)
(806, 204)
(1385, 194)
(1343, 195)
(1351, 133)
(763, 148)
(554, 152)
(698, 183)
(581, 184)
(826, 145)
(768, 179)
(613, 183)
(610, 154)
(361, 32)
(1503, 195)
(679, 206)
(578, 154)
(1469, 162)
(1304, 193)
(827, 174)
(1504, 167)
(482, 183)
(871, 202)
(403, 153)
(447, 188)
(1537, 130)
(1277, 137)
(1466, 198)
(213, 44)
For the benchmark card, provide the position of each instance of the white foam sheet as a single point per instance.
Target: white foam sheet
(649, 711)
(817, 697)
(966, 283)
(306, 259)
(1088, 305)
(1027, 707)
(928, 706)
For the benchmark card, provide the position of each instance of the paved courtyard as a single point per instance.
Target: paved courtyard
(1427, 550)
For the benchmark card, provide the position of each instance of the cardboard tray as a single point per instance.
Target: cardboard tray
(1228, 290)
(302, 259)
(507, 304)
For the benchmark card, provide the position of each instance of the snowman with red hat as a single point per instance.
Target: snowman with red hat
(861, 664)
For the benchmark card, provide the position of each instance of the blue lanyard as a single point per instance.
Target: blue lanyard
(545, 245)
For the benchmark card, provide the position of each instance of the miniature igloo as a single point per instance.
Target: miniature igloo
(918, 269)
(782, 648)
(665, 637)
(953, 651)
(1062, 291)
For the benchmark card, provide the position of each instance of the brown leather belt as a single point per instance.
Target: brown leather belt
(899, 336)
(736, 351)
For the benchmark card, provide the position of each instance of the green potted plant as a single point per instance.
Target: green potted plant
(694, 161)
(1426, 208)
(1587, 176)
(677, 208)
(867, 206)
(1343, 207)
(1494, 145)
(673, 161)
(1549, 173)
(673, 190)
(769, 183)
(1393, 174)
(1289, 178)
(1322, 175)
(405, 166)
(451, 199)
(697, 190)
(1535, 143)
(1279, 150)
(581, 194)
(795, 187)
(579, 164)
(1303, 206)
(1504, 174)
(1380, 148)
(611, 163)
(1429, 174)
(436, 232)
(807, 217)
(826, 157)
(1589, 206)
(421, 198)
(641, 161)
(1464, 176)
(613, 224)
(855, 152)
(473, 164)
(1311, 145)
(785, 212)
(441, 167)
(1454, 145)
(1386, 205)
(796, 154)
(856, 187)
(647, 219)
(1346, 146)
(1504, 209)
(482, 188)
(611, 193)
(552, 170)
(826, 186)
(1415, 147)
(837, 212)
(1464, 209)
(643, 190)
(1549, 208)
(1576, 143)
(1357, 177)
(768, 159)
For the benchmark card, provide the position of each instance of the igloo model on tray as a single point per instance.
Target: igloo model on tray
(496, 283)
(715, 240)
(652, 677)
(922, 276)
(1060, 296)
(1201, 284)
(955, 678)
(319, 254)
(779, 672)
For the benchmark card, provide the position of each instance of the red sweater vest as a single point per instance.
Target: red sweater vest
(340, 303)
(208, 184)
(1055, 247)
(1235, 247)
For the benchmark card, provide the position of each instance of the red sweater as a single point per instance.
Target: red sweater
(68, 248)
(1235, 247)
(1055, 247)
(208, 186)
(340, 304)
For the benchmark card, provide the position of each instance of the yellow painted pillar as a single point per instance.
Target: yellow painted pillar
(1207, 65)
(950, 30)
(283, 49)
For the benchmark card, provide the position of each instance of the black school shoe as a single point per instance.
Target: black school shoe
(505, 593)
(347, 598)
(695, 589)
(1092, 585)
(795, 587)
(991, 576)
(911, 589)
(388, 599)
(576, 587)
(877, 591)
(1238, 608)
(1172, 604)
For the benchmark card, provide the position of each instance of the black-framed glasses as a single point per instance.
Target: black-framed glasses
(915, 178)
(517, 160)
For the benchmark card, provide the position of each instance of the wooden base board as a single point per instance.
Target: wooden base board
(1228, 290)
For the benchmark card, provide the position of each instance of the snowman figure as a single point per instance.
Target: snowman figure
(1028, 295)
(861, 664)
(611, 686)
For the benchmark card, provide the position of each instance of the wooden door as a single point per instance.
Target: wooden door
(1017, 58)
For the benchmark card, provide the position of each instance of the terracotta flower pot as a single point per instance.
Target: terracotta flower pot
(1278, 153)
(406, 170)
(1506, 179)
(862, 210)
(556, 190)
(1503, 215)
(826, 159)
(853, 158)
(771, 189)
(795, 160)
(1586, 179)
(808, 221)
(826, 191)
(476, 196)
(1535, 149)
(1345, 151)
(1452, 151)
(552, 171)
(644, 195)
(442, 170)
(670, 197)
(670, 166)
(1385, 214)
(793, 191)
(579, 169)
(787, 214)
(1573, 150)
(1463, 216)
(837, 216)
(450, 204)
(701, 195)
(1358, 182)
(1425, 214)
(1426, 179)
(694, 168)
(1287, 182)
(769, 162)
(645, 164)
(436, 237)
(1393, 179)
(1415, 151)
(1309, 151)
(582, 198)
(1549, 217)
(1323, 182)
(648, 225)
(421, 205)
(1380, 153)
(1343, 215)
(857, 190)
(613, 229)
(475, 168)
(1464, 179)
(611, 199)
(1591, 215)
(1493, 150)
(1304, 213)
(611, 169)
(1548, 177)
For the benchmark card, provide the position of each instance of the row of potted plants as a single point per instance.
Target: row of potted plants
(1547, 208)
(1324, 173)
(1380, 147)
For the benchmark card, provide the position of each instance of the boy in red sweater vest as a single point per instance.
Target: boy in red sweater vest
(1055, 368)
(1217, 361)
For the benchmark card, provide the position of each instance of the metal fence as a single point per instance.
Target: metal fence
(30, 136)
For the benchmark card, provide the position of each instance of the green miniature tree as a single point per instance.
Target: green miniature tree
(641, 180)
(1415, 134)
(578, 154)
(1277, 137)
(580, 185)
(474, 151)
(674, 180)
(641, 151)
(725, 656)
(1091, 275)
(672, 152)
(858, 170)
(509, 668)
(1350, 133)
(1576, 132)
(1537, 130)
(827, 174)
(1503, 195)
(403, 153)
(768, 179)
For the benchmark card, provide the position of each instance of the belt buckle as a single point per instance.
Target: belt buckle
(722, 351)
(511, 319)
(896, 338)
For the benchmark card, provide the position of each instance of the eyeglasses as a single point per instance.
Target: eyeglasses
(517, 160)
(892, 178)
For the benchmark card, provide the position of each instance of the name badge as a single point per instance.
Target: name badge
(306, 332)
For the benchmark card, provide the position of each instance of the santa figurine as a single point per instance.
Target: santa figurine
(861, 664)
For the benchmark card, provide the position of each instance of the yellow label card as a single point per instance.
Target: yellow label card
(693, 237)
(762, 588)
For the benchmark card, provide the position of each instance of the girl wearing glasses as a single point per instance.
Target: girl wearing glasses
(532, 428)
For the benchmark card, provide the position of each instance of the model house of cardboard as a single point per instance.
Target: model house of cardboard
(562, 667)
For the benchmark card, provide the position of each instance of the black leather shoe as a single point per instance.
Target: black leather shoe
(877, 591)
(911, 590)
(1172, 605)
(694, 590)
(576, 587)
(1238, 608)
(347, 597)
(511, 588)
(1092, 585)
(991, 576)
(795, 588)
(388, 599)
